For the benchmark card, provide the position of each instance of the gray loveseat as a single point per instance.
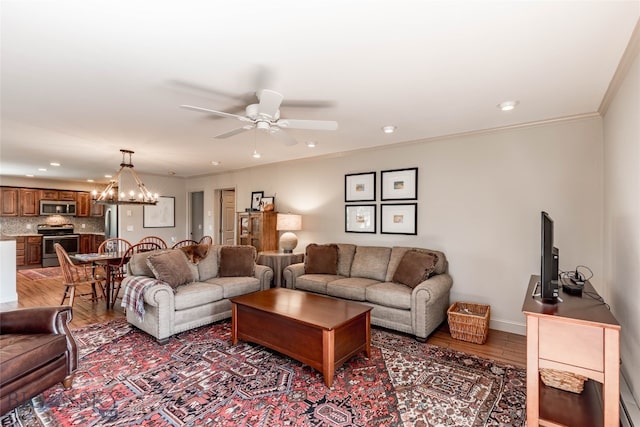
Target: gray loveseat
(174, 293)
(408, 288)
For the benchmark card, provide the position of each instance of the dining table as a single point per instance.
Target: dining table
(108, 260)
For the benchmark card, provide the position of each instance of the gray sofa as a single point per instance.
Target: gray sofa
(407, 294)
(176, 293)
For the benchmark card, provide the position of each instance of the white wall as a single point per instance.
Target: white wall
(622, 218)
(479, 200)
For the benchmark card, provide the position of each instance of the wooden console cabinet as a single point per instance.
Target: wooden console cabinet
(258, 229)
(578, 335)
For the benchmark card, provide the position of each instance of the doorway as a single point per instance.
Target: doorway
(196, 230)
(227, 211)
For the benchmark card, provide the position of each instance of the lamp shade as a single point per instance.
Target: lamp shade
(289, 222)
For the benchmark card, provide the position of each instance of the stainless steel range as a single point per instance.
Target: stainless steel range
(52, 234)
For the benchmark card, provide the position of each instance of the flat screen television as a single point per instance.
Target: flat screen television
(549, 262)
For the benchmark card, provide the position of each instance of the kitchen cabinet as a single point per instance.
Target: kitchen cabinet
(67, 195)
(33, 250)
(83, 206)
(29, 202)
(89, 243)
(258, 229)
(48, 194)
(21, 244)
(9, 201)
(97, 209)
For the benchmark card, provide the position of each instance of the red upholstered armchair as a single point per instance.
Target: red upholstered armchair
(37, 350)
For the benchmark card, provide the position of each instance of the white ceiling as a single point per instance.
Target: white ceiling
(82, 79)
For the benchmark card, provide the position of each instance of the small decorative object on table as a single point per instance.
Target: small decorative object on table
(469, 322)
(563, 380)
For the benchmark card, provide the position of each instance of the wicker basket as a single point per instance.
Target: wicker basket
(469, 322)
(563, 380)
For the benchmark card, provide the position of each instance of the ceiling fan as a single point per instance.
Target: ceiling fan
(265, 116)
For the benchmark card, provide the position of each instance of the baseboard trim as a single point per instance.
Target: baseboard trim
(629, 411)
(508, 326)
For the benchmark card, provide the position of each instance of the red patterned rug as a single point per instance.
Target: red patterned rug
(199, 378)
(41, 273)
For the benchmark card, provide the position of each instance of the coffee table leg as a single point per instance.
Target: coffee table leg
(234, 323)
(367, 348)
(328, 356)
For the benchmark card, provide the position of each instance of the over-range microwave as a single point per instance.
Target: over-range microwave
(51, 207)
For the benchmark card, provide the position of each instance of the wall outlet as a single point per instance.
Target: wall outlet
(83, 226)
(128, 212)
(129, 227)
(28, 226)
(173, 239)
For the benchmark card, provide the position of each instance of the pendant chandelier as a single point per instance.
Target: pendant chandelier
(111, 196)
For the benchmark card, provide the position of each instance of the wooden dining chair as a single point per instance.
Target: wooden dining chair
(206, 240)
(77, 275)
(114, 244)
(154, 239)
(119, 272)
(183, 243)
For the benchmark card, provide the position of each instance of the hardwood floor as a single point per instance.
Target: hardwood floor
(500, 346)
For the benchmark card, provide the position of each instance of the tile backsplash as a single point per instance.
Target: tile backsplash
(28, 225)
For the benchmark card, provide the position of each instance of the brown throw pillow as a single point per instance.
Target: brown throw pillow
(171, 267)
(237, 261)
(321, 259)
(415, 267)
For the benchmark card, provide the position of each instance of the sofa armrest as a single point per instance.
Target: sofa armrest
(36, 320)
(291, 273)
(429, 304)
(264, 274)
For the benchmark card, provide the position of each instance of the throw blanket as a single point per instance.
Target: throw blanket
(133, 298)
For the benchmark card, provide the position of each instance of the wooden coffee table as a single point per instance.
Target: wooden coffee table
(319, 331)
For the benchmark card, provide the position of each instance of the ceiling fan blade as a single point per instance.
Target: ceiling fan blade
(270, 101)
(282, 136)
(234, 132)
(218, 113)
(307, 124)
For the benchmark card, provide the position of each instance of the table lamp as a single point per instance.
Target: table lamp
(288, 223)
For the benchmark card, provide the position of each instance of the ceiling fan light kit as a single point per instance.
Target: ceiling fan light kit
(265, 116)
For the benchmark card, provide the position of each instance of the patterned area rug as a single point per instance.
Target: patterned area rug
(41, 273)
(199, 378)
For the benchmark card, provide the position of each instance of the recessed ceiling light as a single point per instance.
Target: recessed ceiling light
(256, 155)
(108, 176)
(42, 169)
(29, 175)
(215, 163)
(54, 164)
(508, 105)
(90, 180)
(389, 129)
(312, 144)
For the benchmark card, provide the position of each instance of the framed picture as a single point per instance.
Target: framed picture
(360, 219)
(399, 184)
(163, 214)
(399, 218)
(265, 201)
(360, 187)
(256, 196)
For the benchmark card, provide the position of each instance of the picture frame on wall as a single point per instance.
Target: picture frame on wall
(360, 219)
(160, 215)
(399, 184)
(360, 187)
(397, 218)
(256, 197)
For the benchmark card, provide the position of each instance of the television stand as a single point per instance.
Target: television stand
(580, 336)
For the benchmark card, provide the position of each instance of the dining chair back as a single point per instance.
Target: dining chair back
(206, 240)
(115, 244)
(154, 239)
(183, 243)
(75, 276)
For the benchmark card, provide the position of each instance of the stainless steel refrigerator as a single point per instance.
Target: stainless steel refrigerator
(110, 221)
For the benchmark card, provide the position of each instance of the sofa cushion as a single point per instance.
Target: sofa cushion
(237, 261)
(20, 353)
(389, 295)
(235, 286)
(346, 252)
(321, 259)
(370, 262)
(197, 293)
(397, 252)
(352, 288)
(208, 267)
(315, 282)
(173, 267)
(415, 267)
